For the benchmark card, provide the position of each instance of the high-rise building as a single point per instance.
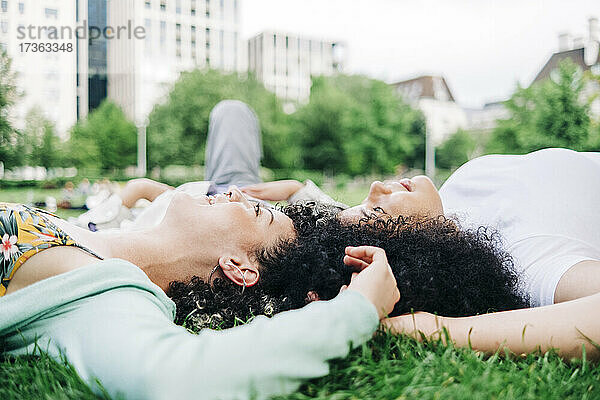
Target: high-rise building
(159, 39)
(286, 62)
(44, 59)
(130, 51)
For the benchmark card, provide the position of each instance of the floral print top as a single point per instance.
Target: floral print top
(25, 231)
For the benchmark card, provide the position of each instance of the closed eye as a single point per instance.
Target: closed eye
(258, 210)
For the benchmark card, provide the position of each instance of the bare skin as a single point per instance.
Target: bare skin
(180, 247)
(563, 325)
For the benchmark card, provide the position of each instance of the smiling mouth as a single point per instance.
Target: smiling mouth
(407, 183)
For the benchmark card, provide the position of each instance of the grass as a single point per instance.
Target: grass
(388, 367)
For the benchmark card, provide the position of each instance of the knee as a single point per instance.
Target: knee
(139, 184)
(231, 108)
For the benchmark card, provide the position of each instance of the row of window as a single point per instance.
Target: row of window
(193, 7)
(48, 12)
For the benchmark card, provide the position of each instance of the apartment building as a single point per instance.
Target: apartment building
(285, 62)
(130, 51)
(173, 36)
(45, 79)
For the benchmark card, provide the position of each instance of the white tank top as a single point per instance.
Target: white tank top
(545, 204)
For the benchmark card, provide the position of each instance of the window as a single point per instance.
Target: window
(148, 4)
(207, 8)
(163, 5)
(4, 5)
(51, 13)
(163, 34)
(21, 8)
(178, 6)
(235, 11)
(193, 7)
(222, 9)
(193, 35)
(148, 40)
(4, 26)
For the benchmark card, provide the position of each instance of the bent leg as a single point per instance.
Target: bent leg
(233, 147)
(141, 188)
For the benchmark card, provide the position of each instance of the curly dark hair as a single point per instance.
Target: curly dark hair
(439, 267)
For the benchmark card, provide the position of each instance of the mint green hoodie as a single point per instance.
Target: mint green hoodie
(113, 324)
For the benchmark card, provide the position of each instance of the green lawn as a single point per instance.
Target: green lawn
(387, 367)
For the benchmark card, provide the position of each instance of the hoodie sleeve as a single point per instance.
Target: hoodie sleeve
(122, 339)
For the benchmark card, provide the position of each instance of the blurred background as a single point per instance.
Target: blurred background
(346, 91)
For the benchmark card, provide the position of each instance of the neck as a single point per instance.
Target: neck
(162, 256)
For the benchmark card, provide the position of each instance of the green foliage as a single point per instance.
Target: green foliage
(351, 125)
(42, 378)
(178, 128)
(356, 125)
(10, 140)
(397, 367)
(548, 114)
(388, 367)
(455, 151)
(41, 146)
(105, 140)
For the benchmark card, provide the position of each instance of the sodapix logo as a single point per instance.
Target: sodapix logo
(82, 31)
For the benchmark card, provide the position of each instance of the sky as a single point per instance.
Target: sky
(482, 47)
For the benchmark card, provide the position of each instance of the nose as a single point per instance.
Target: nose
(236, 196)
(378, 188)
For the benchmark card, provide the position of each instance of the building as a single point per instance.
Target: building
(584, 52)
(433, 97)
(284, 63)
(45, 79)
(486, 119)
(129, 51)
(136, 71)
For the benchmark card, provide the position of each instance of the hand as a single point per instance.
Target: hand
(375, 280)
(273, 191)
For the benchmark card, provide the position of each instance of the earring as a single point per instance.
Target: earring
(231, 265)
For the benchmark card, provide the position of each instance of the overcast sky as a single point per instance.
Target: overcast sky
(482, 47)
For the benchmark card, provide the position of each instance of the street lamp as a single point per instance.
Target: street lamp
(141, 147)
(429, 153)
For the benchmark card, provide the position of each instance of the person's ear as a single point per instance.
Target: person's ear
(239, 271)
(311, 296)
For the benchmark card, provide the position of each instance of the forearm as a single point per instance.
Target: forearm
(565, 327)
(311, 192)
(159, 360)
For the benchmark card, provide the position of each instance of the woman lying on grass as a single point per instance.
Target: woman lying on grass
(115, 326)
(544, 206)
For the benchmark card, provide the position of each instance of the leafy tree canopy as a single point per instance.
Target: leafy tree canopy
(357, 125)
(10, 140)
(552, 113)
(106, 139)
(178, 128)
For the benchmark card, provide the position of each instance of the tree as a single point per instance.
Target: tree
(549, 114)
(178, 128)
(105, 140)
(41, 146)
(357, 125)
(10, 140)
(455, 151)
